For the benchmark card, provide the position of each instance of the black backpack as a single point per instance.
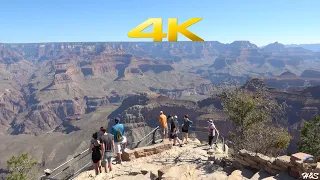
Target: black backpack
(96, 153)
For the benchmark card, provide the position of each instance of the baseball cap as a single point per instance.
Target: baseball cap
(210, 121)
(161, 112)
(117, 119)
(175, 116)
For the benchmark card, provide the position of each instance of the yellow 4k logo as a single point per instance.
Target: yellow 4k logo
(173, 29)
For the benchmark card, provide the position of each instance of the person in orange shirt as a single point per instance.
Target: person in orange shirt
(163, 125)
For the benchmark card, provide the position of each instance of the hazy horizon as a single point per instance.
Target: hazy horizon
(153, 42)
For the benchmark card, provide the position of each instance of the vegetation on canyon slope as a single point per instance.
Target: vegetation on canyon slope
(22, 167)
(252, 113)
(310, 137)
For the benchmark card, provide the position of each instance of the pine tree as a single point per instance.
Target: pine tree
(310, 137)
(21, 168)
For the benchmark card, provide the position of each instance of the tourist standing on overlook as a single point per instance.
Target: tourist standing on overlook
(96, 153)
(163, 125)
(108, 149)
(118, 133)
(212, 132)
(185, 128)
(174, 130)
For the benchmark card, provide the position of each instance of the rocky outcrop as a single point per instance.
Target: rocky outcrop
(130, 155)
(190, 162)
(294, 165)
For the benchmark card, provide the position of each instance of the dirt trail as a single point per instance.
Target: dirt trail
(187, 162)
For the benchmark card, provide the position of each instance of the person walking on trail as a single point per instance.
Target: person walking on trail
(107, 149)
(118, 133)
(212, 132)
(174, 130)
(185, 128)
(96, 153)
(163, 125)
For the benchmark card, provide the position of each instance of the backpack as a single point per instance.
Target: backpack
(96, 153)
(119, 135)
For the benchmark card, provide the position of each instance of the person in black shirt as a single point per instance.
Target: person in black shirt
(96, 153)
(174, 130)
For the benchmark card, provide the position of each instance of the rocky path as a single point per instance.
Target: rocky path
(183, 163)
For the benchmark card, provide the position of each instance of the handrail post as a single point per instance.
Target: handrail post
(154, 136)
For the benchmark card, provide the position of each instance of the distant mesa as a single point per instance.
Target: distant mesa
(243, 44)
(288, 74)
(310, 74)
(274, 47)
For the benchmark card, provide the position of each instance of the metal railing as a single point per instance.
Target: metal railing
(72, 175)
(155, 134)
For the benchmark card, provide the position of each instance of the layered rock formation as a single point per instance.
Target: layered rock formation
(295, 165)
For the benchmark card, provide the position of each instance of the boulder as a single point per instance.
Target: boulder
(271, 170)
(300, 156)
(294, 172)
(246, 153)
(235, 175)
(262, 159)
(217, 175)
(181, 172)
(242, 162)
(146, 151)
(274, 166)
(260, 175)
(128, 155)
(163, 170)
(283, 161)
(317, 169)
(250, 161)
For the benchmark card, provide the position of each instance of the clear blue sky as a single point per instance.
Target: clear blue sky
(261, 22)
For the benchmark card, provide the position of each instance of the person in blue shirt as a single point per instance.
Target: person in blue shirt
(119, 139)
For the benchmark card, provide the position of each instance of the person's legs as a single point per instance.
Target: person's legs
(99, 166)
(110, 163)
(183, 136)
(177, 139)
(186, 136)
(105, 162)
(166, 132)
(124, 143)
(95, 167)
(118, 149)
(210, 141)
(162, 132)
